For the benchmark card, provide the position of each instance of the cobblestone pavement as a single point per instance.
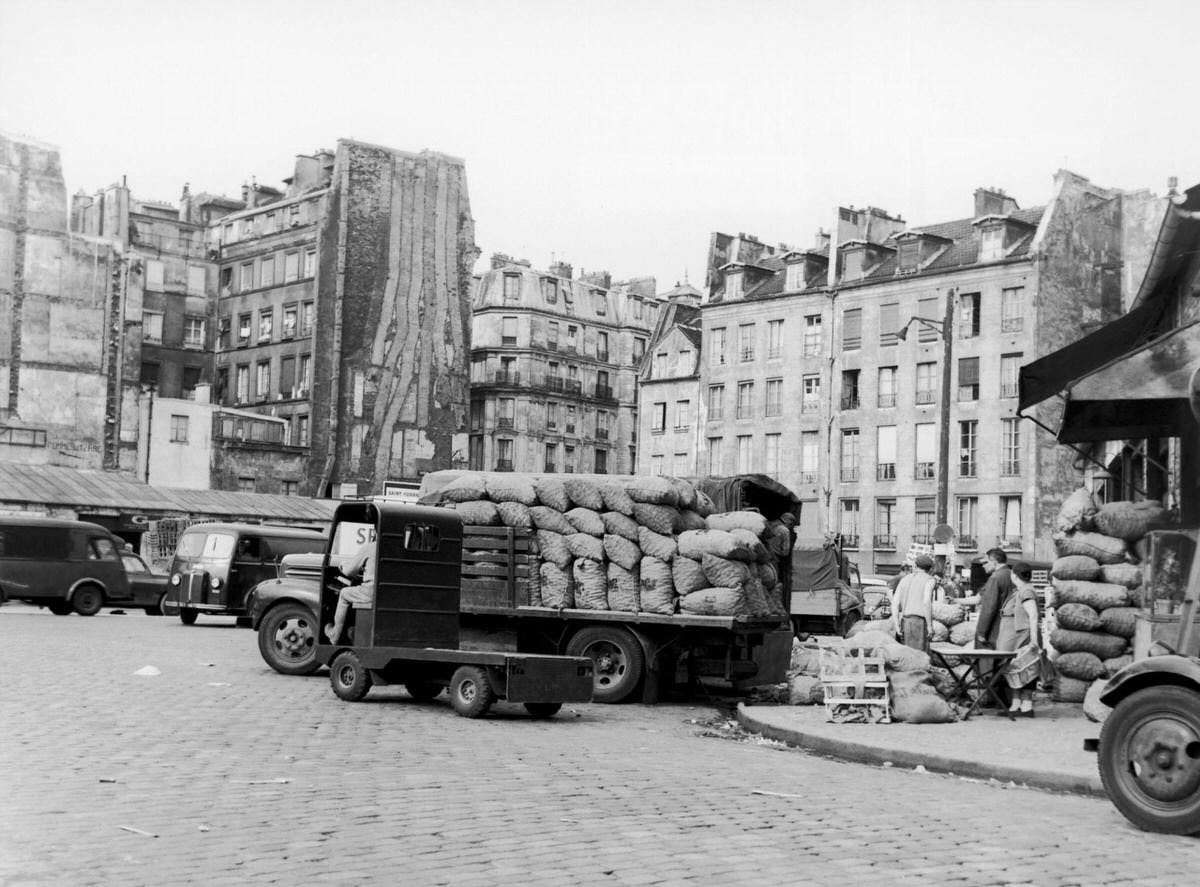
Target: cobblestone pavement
(219, 771)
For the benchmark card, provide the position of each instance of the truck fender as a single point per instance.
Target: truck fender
(1180, 671)
(89, 580)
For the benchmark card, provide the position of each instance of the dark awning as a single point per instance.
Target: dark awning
(1143, 393)
(1056, 371)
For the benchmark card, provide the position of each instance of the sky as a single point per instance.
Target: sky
(619, 135)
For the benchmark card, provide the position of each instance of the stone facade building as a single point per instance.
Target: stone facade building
(668, 386)
(553, 369)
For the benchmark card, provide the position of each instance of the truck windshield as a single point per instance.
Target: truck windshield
(206, 546)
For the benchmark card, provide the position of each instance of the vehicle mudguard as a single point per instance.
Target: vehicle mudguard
(1181, 671)
(263, 596)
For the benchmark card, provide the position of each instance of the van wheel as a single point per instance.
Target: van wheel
(350, 681)
(617, 660)
(471, 693)
(188, 616)
(543, 709)
(157, 609)
(59, 608)
(88, 600)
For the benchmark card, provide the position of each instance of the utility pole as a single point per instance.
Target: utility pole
(943, 478)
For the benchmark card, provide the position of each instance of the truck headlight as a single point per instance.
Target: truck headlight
(175, 579)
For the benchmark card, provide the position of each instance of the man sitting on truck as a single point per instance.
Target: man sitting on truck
(362, 571)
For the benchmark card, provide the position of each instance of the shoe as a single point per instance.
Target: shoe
(329, 633)
(1025, 714)
(1005, 712)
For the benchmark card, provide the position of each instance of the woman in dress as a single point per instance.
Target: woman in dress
(1018, 629)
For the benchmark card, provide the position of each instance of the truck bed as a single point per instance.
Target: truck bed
(744, 623)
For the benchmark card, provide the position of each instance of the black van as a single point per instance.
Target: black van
(216, 564)
(62, 565)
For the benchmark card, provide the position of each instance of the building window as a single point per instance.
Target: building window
(850, 395)
(886, 395)
(291, 488)
(600, 301)
(568, 295)
(302, 431)
(570, 423)
(287, 375)
(1010, 372)
(1010, 523)
(246, 277)
(714, 456)
(967, 513)
(968, 304)
(795, 276)
(512, 289)
(745, 398)
(812, 335)
(683, 415)
(266, 324)
(885, 524)
(291, 267)
(568, 450)
(308, 316)
(270, 223)
(889, 324)
(991, 243)
(808, 456)
(179, 428)
(744, 447)
(716, 353)
(968, 378)
(552, 335)
(774, 338)
(851, 329)
(152, 324)
(774, 405)
(849, 524)
(926, 383)
(602, 424)
(552, 412)
(504, 454)
(810, 393)
(304, 381)
(658, 417)
(1010, 448)
(716, 403)
(733, 285)
(505, 412)
(245, 484)
(849, 455)
(968, 439)
(508, 331)
(928, 308)
(294, 215)
(746, 342)
(193, 332)
(263, 380)
(925, 520)
(243, 383)
(601, 460)
(772, 454)
(266, 271)
(1012, 309)
(885, 452)
(549, 290)
(572, 338)
(550, 460)
(149, 374)
(926, 451)
(244, 322)
(656, 465)
(682, 465)
(639, 350)
(507, 374)
(310, 263)
(223, 331)
(602, 346)
(191, 378)
(475, 453)
(476, 415)
(289, 321)
(154, 276)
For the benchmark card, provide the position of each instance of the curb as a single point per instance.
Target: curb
(862, 753)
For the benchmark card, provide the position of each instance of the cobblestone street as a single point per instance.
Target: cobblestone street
(219, 771)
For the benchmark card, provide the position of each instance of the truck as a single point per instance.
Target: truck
(826, 594)
(633, 654)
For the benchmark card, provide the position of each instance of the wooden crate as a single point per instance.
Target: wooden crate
(496, 563)
(855, 685)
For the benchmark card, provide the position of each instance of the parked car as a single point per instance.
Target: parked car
(148, 589)
(62, 565)
(283, 612)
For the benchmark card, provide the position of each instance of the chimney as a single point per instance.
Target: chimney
(821, 241)
(246, 195)
(993, 202)
(562, 269)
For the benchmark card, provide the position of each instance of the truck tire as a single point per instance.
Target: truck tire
(349, 679)
(617, 659)
(157, 609)
(471, 693)
(1150, 759)
(188, 616)
(87, 600)
(543, 709)
(287, 639)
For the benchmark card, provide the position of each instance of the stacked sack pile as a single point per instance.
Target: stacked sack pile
(643, 544)
(1095, 599)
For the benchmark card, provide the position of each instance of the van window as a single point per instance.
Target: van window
(250, 548)
(421, 537)
(35, 543)
(101, 549)
(209, 546)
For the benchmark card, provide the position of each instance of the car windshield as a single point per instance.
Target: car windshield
(133, 564)
(206, 546)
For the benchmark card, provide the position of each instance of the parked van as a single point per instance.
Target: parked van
(62, 565)
(216, 564)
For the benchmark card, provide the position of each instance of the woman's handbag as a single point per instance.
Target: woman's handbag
(1024, 668)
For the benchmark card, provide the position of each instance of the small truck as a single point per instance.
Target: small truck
(410, 633)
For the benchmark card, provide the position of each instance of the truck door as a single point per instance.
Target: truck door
(418, 580)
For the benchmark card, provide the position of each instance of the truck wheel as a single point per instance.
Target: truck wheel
(1150, 759)
(543, 709)
(157, 609)
(617, 659)
(287, 639)
(471, 693)
(350, 681)
(188, 616)
(88, 600)
(59, 608)
(422, 690)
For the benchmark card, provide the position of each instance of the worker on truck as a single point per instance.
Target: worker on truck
(361, 570)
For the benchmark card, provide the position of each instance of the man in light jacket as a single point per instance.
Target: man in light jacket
(912, 606)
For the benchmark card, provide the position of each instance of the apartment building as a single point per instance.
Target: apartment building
(554, 361)
(884, 391)
(668, 384)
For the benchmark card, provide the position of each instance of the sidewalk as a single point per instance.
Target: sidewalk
(1042, 752)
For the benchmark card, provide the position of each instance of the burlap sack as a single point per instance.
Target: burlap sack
(584, 520)
(685, 492)
(963, 634)
(805, 689)
(1120, 620)
(939, 632)
(1077, 617)
(1102, 644)
(724, 573)
(1093, 709)
(1080, 665)
(479, 513)
(704, 505)
(738, 520)
(552, 494)
(662, 547)
(774, 593)
(659, 518)
(756, 597)
(1069, 689)
(623, 588)
(616, 499)
(553, 547)
(514, 514)
(1105, 549)
(691, 520)
(533, 584)
(869, 626)
(714, 602)
(619, 525)
(1076, 566)
(1077, 512)
(1129, 575)
(651, 490)
(758, 551)
(583, 493)
(505, 487)
(697, 543)
(915, 699)
(591, 583)
(558, 587)
(1114, 665)
(1129, 520)
(657, 586)
(1097, 595)
(948, 614)
(805, 658)
(621, 551)
(467, 487)
(546, 518)
(768, 574)
(687, 574)
(585, 545)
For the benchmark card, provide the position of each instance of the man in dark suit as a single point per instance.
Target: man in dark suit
(991, 599)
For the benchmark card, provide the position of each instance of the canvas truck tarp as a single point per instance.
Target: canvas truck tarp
(814, 567)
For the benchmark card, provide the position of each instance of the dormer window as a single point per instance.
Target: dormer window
(991, 243)
(795, 276)
(909, 257)
(733, 284)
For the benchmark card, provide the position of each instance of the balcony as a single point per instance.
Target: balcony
(808, 477)
(886, 400)
(604, 392)
(602, 356)
(551, 346)
(679, 428)
(504, 422)
(849, 540)
(965, 543)
(923, 538)
(885, 542)
(885, 471)
(507, 377)
(924, 471)
(747, 355)
(601, 434)
(553, 383)
(1010, 543)
(925, 396)
(850, 402)
(504, 465)
(574, 386)
(850, 475)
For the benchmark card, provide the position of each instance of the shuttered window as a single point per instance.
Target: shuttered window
(889, 323)
(852, 329)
